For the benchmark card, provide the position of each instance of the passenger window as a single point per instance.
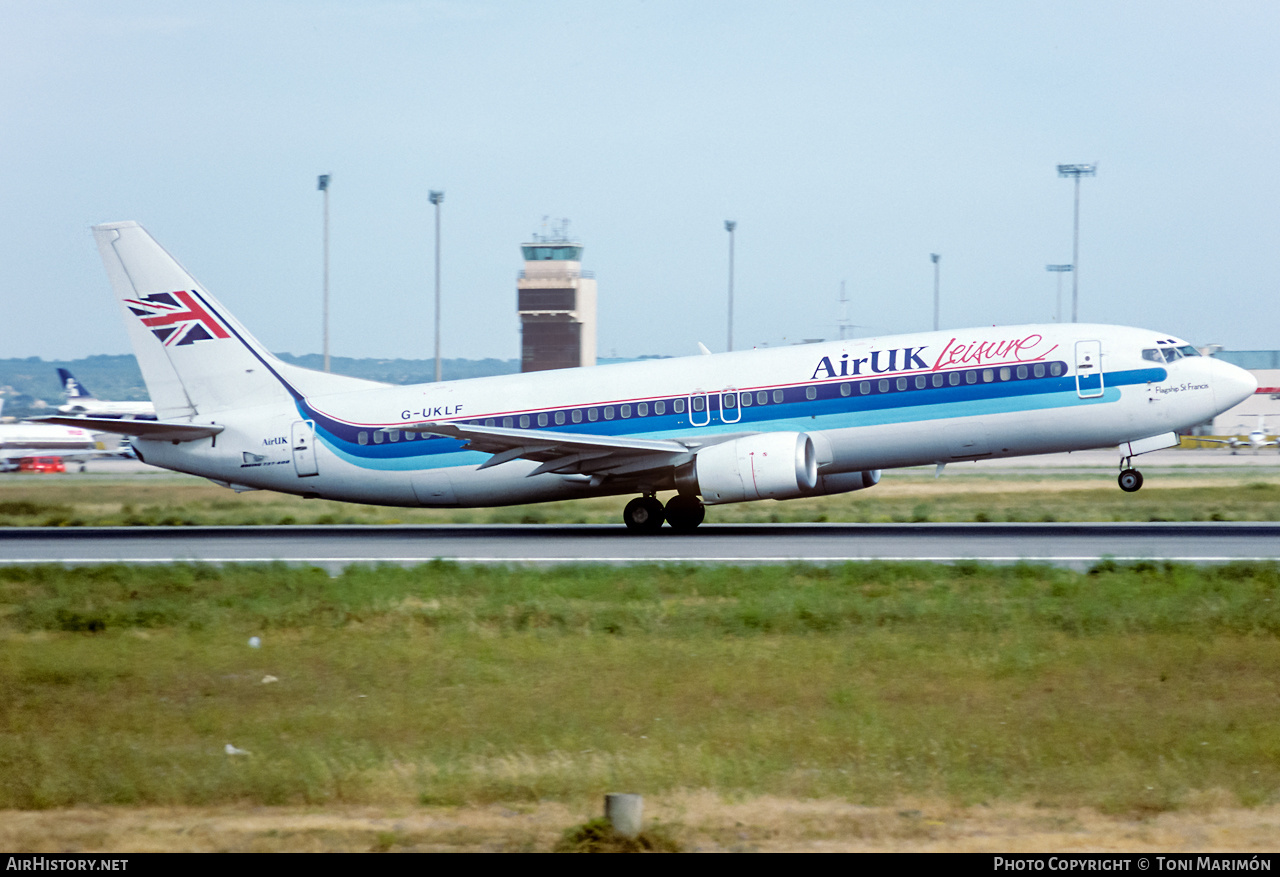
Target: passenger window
(902, 383)
(954, 379)
(363, 438)
(1055, 368)
(592, 414)
(777, 396)
(845, 389)
(729, 400)
(542, 419)
(410, 436)
(489, 422)
(642, 410)
(699, 403)
(811, 392)
(677, 406)
(524, 421)
(559, 418)
(506, 422)
(1022, 372)
(937, 380)
(377, 436)
(1038, 369)
(921, 381)
(988, 375)
(659, 408)
(864, 387)
(394, 435)
(971, 377)
(626, 411)
(1005, 374)
(762, 397)
(576, 415)
(608, 412)
(884, 386)
(746, 400)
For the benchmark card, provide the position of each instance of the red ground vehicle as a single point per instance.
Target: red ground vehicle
(41, 464)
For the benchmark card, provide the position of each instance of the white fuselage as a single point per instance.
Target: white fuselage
(867, 404)
(85, 406)
(19, 440)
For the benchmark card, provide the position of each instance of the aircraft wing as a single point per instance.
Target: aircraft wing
(161, 430)
(568, 452)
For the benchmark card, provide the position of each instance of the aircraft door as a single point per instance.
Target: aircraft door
(699, 410)
(1088, 369)
(730, 412)
(304, 450)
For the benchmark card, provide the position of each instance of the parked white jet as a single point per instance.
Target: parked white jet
(1256, 439)
(18, 440)
(778, 423)
(81, 402)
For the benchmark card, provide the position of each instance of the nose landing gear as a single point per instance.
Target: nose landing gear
(1130, 479)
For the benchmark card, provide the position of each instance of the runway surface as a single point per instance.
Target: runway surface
(1075, 545)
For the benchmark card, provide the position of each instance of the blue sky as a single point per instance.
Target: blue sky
(849, 140)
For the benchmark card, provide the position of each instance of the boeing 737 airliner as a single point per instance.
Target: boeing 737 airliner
(761, 424)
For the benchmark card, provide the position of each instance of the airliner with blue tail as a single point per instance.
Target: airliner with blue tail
(776, 424)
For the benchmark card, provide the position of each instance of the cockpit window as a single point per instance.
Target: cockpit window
(1169, 354)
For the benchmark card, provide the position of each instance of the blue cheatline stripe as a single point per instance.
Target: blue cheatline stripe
(830, 409)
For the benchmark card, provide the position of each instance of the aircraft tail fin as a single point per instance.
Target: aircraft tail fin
(72, 387)
(196, 358)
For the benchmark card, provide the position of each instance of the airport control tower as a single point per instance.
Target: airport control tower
(557, 304)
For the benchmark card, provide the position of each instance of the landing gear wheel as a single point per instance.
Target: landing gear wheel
(685, 513)
(1130, 480)
(643, 515)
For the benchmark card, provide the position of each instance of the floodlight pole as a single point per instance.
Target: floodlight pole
(936, 259)
(729, 226)
(1077, 171)
(1059, 270)
(436, 198)
(323, 185)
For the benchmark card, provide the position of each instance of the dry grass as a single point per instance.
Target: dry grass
(697, 820)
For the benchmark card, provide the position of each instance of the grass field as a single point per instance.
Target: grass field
(1131, 691)
(446, 707)
(906, 495)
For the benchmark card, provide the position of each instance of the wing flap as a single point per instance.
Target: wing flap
(566, 452)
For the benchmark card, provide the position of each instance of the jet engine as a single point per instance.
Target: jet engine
(771, 465)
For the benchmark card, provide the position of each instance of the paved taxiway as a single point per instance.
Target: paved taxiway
(1075, 545)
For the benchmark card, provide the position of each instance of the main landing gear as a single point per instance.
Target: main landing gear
(645, 514)
(1130, 479)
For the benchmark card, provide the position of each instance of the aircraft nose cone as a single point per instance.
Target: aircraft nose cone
(1231, 385)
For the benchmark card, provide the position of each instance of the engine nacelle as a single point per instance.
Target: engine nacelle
(771, 465)
(843, 482)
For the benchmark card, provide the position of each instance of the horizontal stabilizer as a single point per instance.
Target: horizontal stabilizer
(159, 430)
